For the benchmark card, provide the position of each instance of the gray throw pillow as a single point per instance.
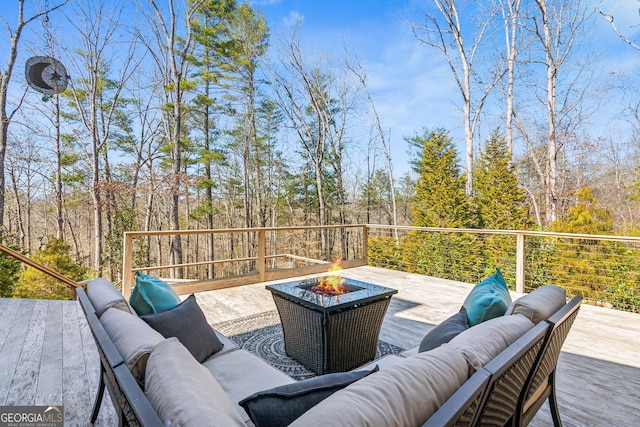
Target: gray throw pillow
(280, 406)
(445, 331)
(187, 322)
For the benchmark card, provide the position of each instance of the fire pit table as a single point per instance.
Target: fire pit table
(328, 332)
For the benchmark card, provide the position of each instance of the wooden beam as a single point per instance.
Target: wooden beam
(38, 266)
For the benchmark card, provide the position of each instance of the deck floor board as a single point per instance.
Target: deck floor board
(47, 353)
(49, 390)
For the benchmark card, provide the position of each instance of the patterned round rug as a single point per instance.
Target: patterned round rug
(261, 334)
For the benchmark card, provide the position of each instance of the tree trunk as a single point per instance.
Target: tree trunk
(511, 42)
(552, 148)
(59, 198)
(5, 77)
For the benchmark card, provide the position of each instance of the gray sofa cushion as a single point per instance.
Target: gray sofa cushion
(540, 304)
(240, 374)
(187, 322)
(485, 341)
(445, 331)
(133, 338)
(279, 406)
(183, 392)
(103, 295)
(405, 394)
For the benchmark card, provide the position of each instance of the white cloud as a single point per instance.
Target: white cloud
(293, 18)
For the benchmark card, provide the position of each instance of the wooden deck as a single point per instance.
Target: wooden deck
(48, 357)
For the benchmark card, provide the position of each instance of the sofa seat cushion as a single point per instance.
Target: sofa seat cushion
(227, 344)
(279, 406)
(241, 374)
(103, 295)
(405, 394)
(183, 392)
(488, 299)
(540, 304)
(483, 342)
(445, 331)
(187, 322)
(133, 338)
(152, 295)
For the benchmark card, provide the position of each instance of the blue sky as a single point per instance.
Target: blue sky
(410, 82)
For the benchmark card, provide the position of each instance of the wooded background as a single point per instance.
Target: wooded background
(193, 115)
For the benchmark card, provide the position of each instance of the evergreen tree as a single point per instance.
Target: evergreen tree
(585, 217)
(56, 255)
(9, 268)
(440, 199)
(499, 200)
(578, 264)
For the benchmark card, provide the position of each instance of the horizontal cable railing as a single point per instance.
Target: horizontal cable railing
(605, 270)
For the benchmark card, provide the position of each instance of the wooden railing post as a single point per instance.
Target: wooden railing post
(365, 244)
(127, 265)
(262, 249)
(520, 262)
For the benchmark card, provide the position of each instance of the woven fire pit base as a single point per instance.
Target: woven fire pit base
(335, 341)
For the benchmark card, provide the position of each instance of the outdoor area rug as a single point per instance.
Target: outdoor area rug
(261, 334)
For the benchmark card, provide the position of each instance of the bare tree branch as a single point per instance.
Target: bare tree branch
(610, 18)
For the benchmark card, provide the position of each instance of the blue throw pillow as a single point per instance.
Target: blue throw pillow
(280, 406)
(488, 299)
(152, 295)
(445, 331)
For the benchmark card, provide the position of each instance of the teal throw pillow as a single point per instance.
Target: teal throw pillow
(152, 295)
(488, 299)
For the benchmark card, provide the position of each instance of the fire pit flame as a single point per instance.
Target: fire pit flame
(332, 284)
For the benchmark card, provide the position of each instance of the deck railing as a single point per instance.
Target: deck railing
(242, 256)
(26, 260)
(603, 269)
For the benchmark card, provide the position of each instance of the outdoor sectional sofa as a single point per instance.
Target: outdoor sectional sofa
(498, 372)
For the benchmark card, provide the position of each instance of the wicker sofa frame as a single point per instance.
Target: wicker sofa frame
(510, 389)
(131, 404)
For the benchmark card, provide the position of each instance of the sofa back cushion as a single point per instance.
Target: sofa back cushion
(483, 342)
(405, 394)
(540, 304)
(183, 392)
(133, 338)
(103, 295)
(488, 299)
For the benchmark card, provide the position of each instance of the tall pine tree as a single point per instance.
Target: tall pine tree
(499, 200)
(440, 199)
(500, 204)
